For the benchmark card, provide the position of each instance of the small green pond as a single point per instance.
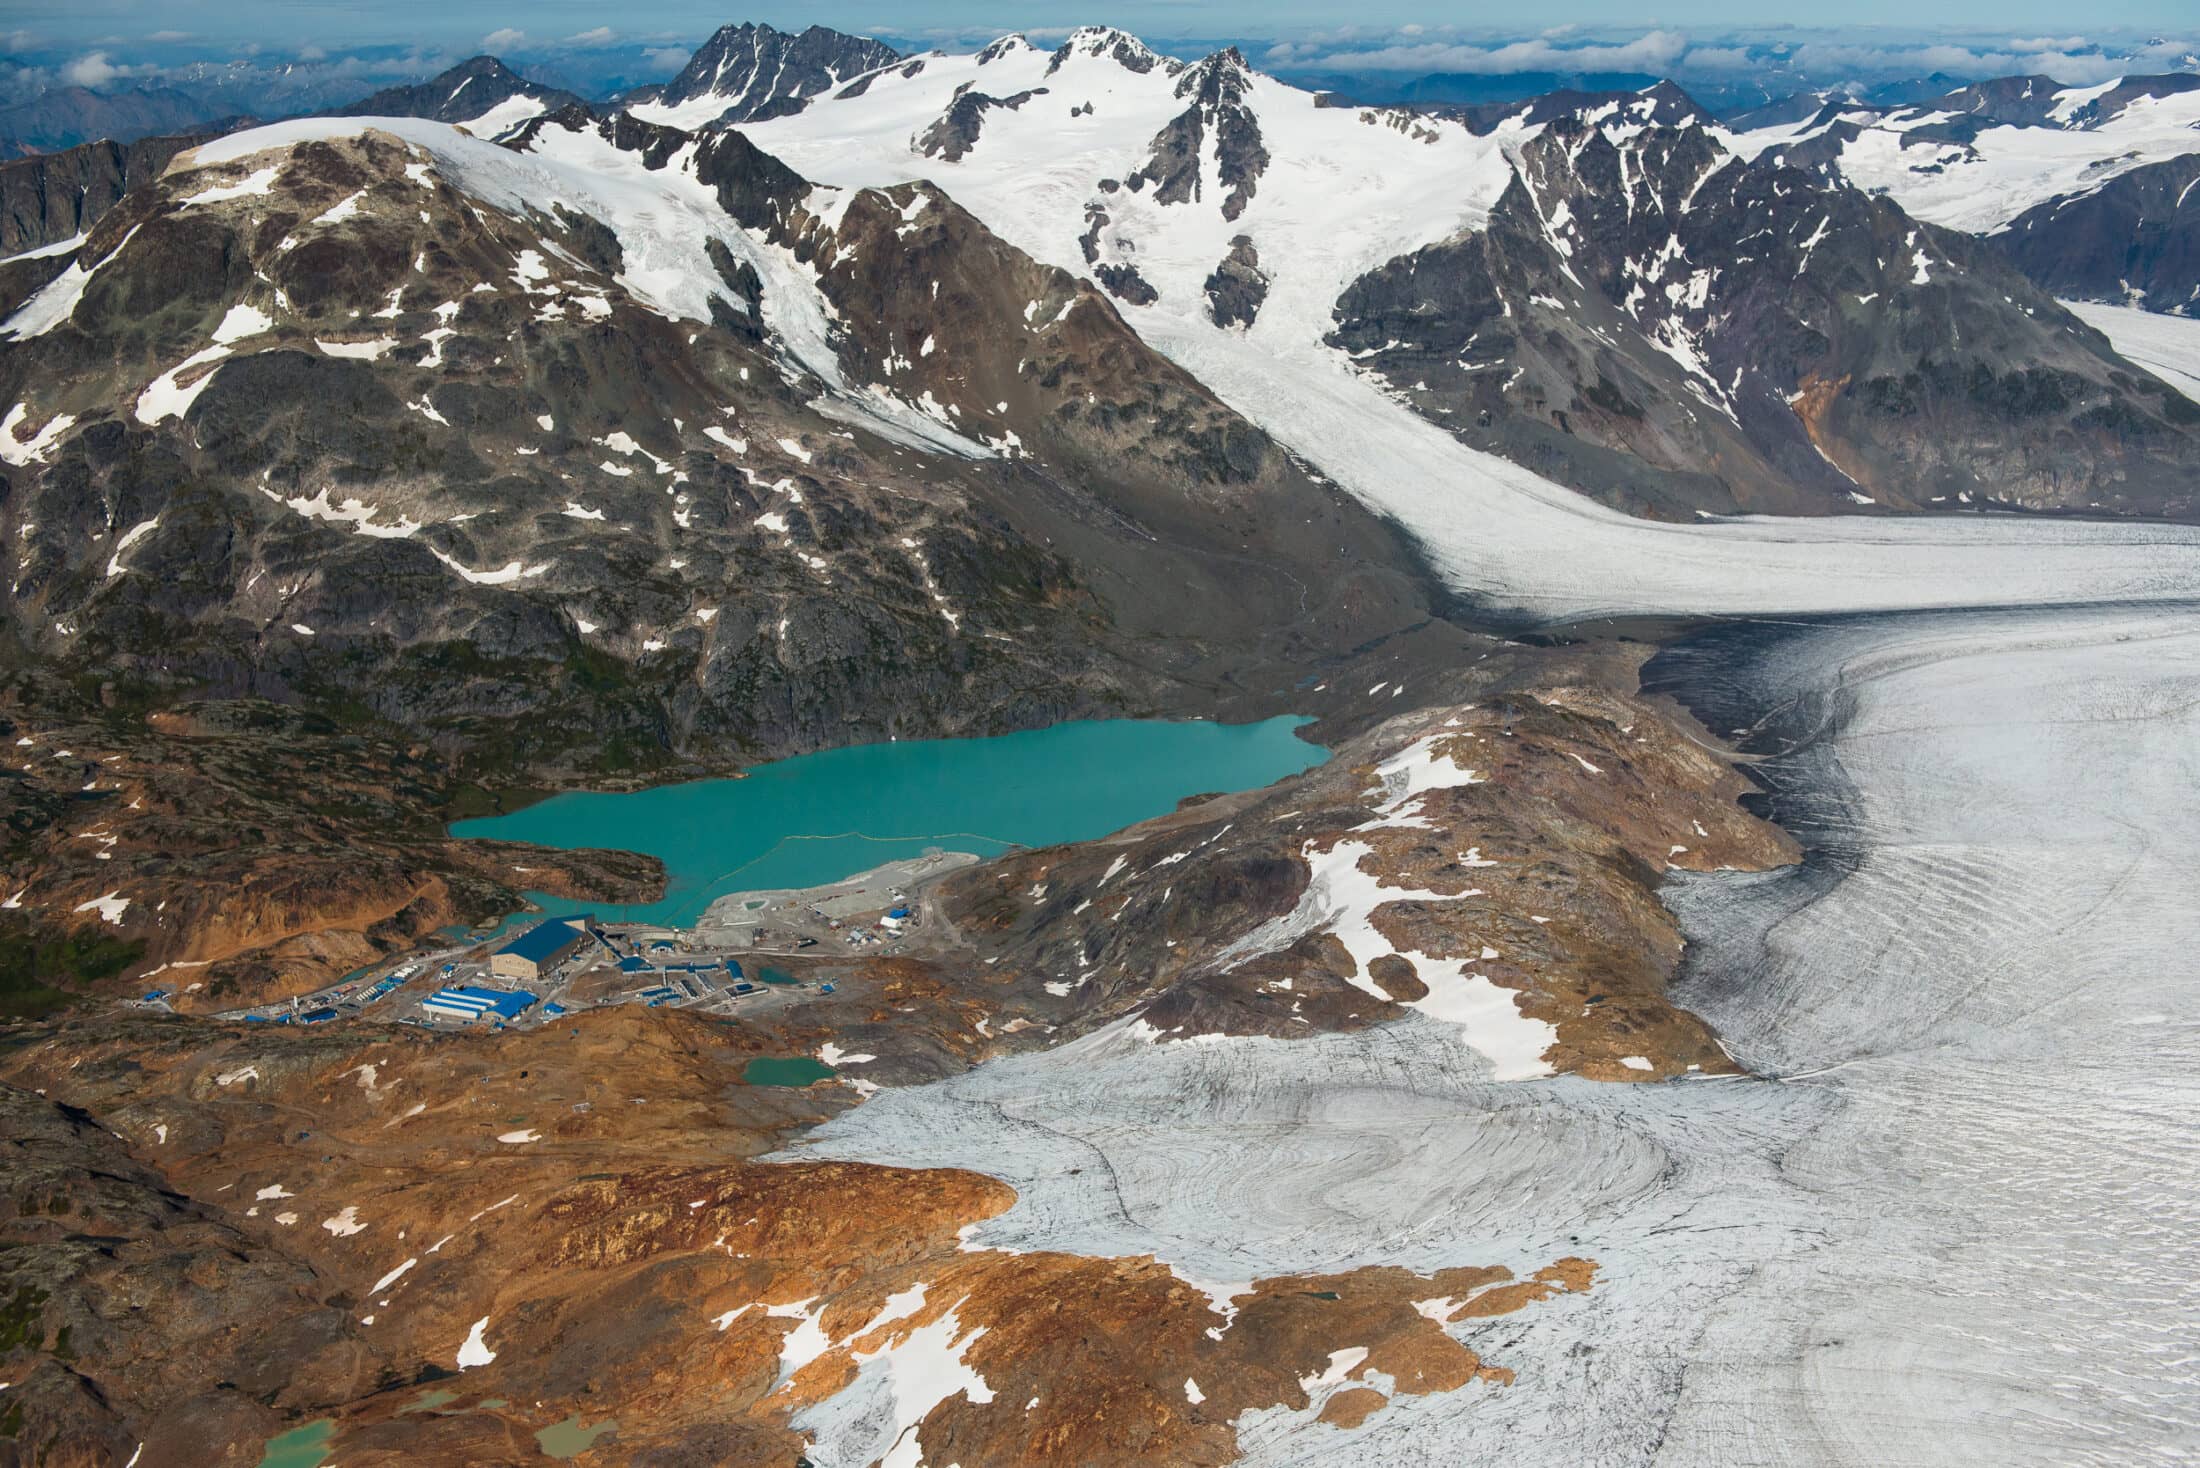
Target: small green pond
(569, 1439)
(796, 1070)
(301, 1447)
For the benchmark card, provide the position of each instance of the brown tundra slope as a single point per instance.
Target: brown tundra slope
(449, 1244)
(446, 1243)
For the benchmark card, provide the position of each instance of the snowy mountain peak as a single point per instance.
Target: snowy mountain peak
(482, 94)
(1013, 44)
(1221, 77)
(1121, 47)
(1218, 136)
(752, 71)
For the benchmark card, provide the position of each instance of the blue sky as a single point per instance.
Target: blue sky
(597, 47)
(451, 22)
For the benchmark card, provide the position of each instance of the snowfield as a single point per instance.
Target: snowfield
(1344, 190)
(2005, 170)
(2167, 346)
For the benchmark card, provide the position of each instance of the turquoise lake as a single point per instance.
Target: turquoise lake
(820, 817)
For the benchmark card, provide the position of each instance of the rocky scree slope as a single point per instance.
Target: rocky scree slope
(1489, 864)
(275, 432)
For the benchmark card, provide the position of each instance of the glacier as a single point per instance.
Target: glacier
(1956, 1218)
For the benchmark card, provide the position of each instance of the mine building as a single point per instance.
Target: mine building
(539, 949)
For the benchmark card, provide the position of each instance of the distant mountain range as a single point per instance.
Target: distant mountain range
(483, 95)
(67, 116)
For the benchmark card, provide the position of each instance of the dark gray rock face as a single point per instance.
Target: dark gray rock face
(1673, 329)
(1216, 90)
(461, 94)
(55, 196)
(2134, 240)
(2030, 101)
(1237, 287)
(762, 72)
(955, 132)
(1662, 105)
(1126, 284)
(1786, 111)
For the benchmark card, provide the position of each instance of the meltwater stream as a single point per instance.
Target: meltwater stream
(1959, 1222)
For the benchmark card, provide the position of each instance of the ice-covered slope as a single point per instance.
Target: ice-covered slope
(1341, 189)
(2167, 346)
(1943, 166)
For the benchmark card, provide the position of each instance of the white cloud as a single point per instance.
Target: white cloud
(602, 35)
(505, 39)
(1719, 58)
(1801, 57)
(667, 58)
(1653, 52)
(91, 70)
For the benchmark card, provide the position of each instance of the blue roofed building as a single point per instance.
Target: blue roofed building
(466, 1001)
(538, 949)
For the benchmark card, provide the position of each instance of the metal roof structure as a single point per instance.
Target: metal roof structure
(467, 1002)
(545, 939)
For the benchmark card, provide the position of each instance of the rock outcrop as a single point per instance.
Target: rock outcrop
(53, 197)
(2134, 241)
(1672, 329)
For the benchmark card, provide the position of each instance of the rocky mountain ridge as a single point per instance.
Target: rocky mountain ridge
(1709, 318)
(1862, 361)
(484, 95)
(750, 72)
(2102, 219)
